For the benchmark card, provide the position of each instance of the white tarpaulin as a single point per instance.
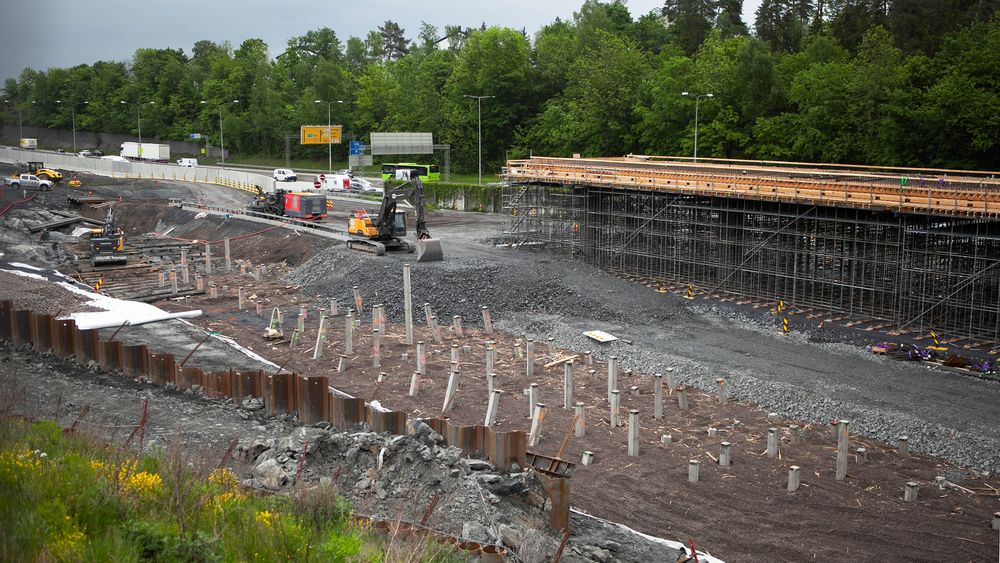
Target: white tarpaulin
(116, 312)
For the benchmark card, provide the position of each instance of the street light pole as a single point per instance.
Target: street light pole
(138, 120)
(697, 99)
(222, 140)
(222, 137)
(479, 103)
(72, 109)
(329, 132)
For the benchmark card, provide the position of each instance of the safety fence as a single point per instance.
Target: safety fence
(236, 179)
(310, 397)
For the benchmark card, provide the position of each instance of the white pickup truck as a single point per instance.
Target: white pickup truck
(29, 181)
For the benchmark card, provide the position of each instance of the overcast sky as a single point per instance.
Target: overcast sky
(61, 33)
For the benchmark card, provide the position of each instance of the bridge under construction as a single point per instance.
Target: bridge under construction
(913, 249)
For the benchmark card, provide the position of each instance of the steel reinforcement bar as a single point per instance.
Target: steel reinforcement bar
(310, 397)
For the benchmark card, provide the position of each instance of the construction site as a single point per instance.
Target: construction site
(636, 358)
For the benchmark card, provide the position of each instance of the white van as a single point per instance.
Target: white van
(187, 162)
(337, 183)
(284, 175)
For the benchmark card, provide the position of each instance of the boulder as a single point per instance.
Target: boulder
(270, 474)
(477, 465)
(511, 537)
(476, 532)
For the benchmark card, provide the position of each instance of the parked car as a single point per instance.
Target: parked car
(285, 175)
(362, 185)
(30, 181)
(190, 162)
(85, 152)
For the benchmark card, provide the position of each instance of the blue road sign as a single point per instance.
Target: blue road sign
(357, 147)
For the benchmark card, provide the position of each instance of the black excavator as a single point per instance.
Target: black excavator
(107, 244)
(376, 235)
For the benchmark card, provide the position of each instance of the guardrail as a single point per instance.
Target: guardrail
(301, 225)
(236, 179)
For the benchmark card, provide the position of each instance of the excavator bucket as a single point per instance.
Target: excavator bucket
(429, 250)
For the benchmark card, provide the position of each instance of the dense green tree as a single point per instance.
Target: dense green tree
(783, 23)
(865, 81)
(495, 62)
(651, 33)
(662, 114)
(355, 55)
(850, 19)
(555, 51)
(729, 20)
(604, 88)
(394, 43)
(689, 22)
(596, 17)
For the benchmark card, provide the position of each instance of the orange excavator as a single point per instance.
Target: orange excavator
(384, 232)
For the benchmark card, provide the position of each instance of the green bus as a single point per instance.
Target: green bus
(407, 170)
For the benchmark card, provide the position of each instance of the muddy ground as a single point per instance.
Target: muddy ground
(737, 513)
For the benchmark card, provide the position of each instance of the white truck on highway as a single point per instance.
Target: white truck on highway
(146, 151)
(29, 181)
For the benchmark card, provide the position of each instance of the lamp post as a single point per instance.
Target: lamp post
(72, 108)
(138, 120)
(329, 132)
(20, 129)
(697, 99)
(222, 139)
(479, 103)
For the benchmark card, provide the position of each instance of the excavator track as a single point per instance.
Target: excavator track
(367, 246)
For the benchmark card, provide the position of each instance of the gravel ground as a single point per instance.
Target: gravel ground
(809, 375)
(540, 294)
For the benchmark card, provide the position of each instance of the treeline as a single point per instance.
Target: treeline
(893, 82)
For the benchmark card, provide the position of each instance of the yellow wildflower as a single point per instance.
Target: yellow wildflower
(66, 543)
(266, 518)
(142, 484)
(126, 469)
(224, 477)
(14, 463)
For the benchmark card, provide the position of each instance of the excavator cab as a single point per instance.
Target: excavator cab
(399, 224)
(362, 224)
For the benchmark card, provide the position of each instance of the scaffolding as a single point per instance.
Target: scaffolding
(919, 271)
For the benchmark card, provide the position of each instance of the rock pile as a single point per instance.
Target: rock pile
(390, 477)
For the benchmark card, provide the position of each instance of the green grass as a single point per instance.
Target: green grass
(68, 497)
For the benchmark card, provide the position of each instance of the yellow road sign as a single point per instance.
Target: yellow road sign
(320, 134)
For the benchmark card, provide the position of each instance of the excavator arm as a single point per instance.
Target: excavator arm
(412, 191)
